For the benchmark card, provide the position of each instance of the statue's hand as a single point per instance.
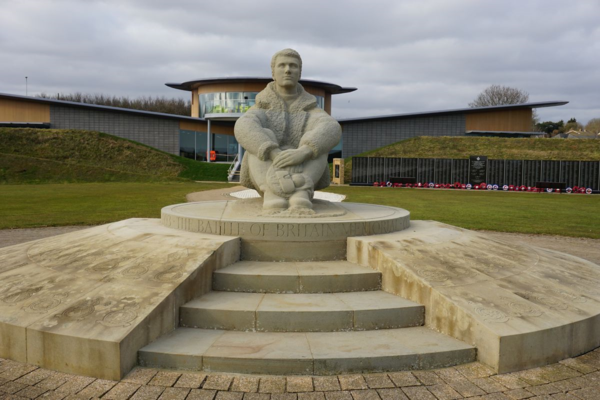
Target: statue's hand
(274, 153)
(291, 157)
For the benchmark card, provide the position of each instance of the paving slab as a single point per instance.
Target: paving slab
(180, 349)
(386, 350)
(300, 312)
(260, 353)
(337, 276)
(296, 277)
(381, 310)
(222, 310)
(258, 277)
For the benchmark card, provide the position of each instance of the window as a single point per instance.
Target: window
(192, 145)
(228, 102)
(233, 102)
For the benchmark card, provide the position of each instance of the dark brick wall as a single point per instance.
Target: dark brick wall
(160, 133)
(359, 137)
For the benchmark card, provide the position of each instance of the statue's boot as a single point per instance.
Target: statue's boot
(272, 202)
(302, 197)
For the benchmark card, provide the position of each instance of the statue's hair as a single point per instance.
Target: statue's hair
(289, 53)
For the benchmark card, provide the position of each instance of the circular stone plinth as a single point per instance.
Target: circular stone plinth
(283, 237)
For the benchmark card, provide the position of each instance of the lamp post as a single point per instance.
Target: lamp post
(26, 86)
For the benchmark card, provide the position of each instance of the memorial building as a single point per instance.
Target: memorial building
(218, 102)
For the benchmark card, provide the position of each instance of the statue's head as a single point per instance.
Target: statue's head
(286, 67)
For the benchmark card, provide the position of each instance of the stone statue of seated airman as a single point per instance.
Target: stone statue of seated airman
(287, 139)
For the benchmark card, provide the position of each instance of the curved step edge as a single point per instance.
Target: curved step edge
(306, 353)
(301, 312)
(290, 277)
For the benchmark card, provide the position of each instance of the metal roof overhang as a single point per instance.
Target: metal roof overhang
(457, 111)
(97, 107)
(40, 125)
(190, 85)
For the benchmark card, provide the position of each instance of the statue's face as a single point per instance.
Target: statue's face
(287, 71)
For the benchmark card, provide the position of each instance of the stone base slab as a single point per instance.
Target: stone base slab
(86, 302)
(318, 237)
(521, 306)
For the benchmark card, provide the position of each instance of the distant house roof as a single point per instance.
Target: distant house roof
(190, 85)
(572, 134)
(505, 133)
(456, 111)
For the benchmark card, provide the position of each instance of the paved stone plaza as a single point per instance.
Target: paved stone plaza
(575, 378)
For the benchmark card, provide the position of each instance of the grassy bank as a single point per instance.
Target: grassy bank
(535, 213)
(496, 148)
(28, 206)
(53, 156)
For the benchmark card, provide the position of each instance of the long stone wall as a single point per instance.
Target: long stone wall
(160, 133)
(359, 137)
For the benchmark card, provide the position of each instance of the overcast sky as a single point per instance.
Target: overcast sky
(403, 56)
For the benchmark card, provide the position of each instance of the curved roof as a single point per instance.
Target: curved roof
(190, 85)
(539, 104)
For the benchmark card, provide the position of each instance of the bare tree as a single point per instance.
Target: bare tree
(156, 104)
(593, 126)
(497, 95)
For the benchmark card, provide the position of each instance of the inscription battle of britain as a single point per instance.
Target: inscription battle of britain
(259, 230)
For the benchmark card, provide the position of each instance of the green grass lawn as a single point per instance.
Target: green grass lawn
(538, 213)
(28, 206)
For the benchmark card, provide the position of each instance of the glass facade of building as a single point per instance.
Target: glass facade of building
(192, 145)
(229, 102)
(233, 102)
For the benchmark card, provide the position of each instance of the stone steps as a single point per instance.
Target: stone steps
(291, 318)
(296, 277)
(318, 353)
(315, 312)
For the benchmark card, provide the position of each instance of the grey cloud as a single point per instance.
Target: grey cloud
(404, 56)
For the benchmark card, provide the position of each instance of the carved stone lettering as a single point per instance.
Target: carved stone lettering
(257, 229)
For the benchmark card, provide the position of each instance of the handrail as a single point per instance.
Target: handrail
(233, 168)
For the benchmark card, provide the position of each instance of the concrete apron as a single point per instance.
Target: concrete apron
(87, 301)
